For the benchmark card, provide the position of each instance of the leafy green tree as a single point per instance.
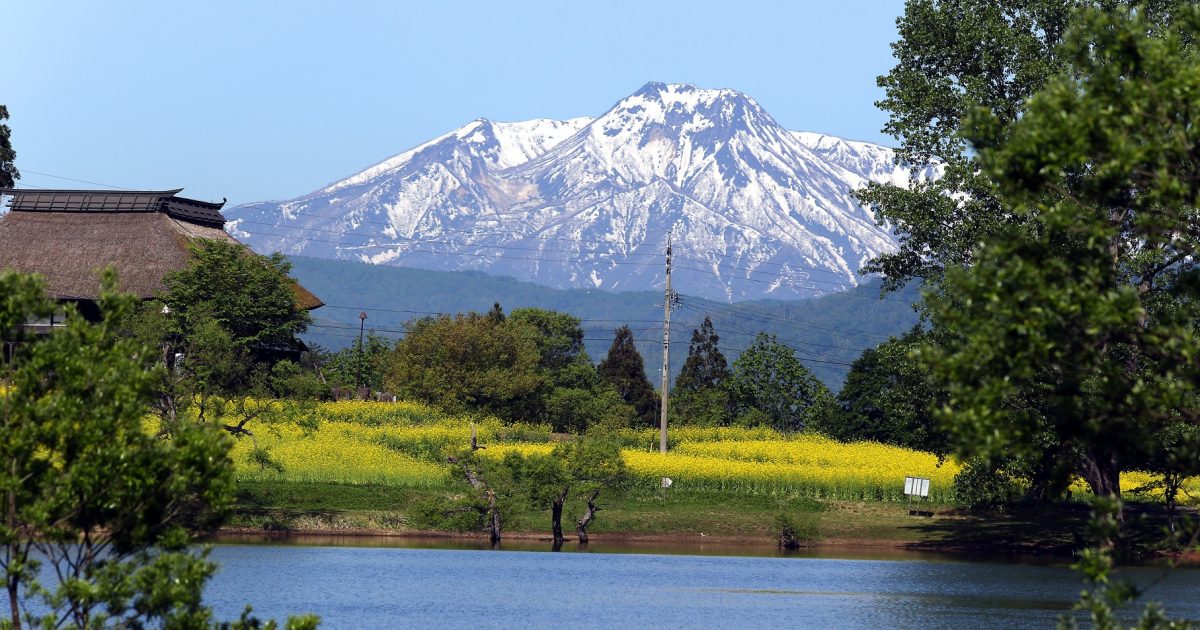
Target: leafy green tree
(624, 370)
(577, 410)
(8, 170)
(1085, 327)
(983, 58)
(226, 305)
(467, 363)
(558, 337)
(595, 464)
(584, 466)
(250, 296)
(529, 366)
(87, 491)
(887, 398)
(701, 394)
(569, 383)
(705, 366)
(768, 377)
(954, 56)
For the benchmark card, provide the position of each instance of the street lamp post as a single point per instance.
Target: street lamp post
(362, 322)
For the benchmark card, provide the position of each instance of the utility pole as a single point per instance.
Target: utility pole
(668, 299)
(362, 323)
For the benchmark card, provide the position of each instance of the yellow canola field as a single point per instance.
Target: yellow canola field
(405, 444)
(336, 453)
(805, 465)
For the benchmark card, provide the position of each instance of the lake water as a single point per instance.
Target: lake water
(389, 587)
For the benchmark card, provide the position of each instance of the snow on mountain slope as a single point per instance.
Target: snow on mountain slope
(755, 210)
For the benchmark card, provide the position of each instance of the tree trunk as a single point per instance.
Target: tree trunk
(1171, 484)
(1102, 473)
(494, 519)
(556, 509)
(587, 517)
(12, 603)
(13, 583)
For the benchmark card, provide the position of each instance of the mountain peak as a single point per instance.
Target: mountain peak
(761, 211)
(686, 92)
(679, 108)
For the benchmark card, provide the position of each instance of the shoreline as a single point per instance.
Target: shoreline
(675, 543)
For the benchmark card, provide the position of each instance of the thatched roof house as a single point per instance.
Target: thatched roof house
(68, 235)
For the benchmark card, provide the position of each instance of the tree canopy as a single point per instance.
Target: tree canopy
(768, 378)
(466, 362)
(527, 366)
(624, 370)
(701, 394)
(8, 156)
(1084, 328)
(250, 296)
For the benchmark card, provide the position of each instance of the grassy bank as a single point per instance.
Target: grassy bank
(284, 507)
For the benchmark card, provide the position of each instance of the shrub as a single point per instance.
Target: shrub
(793, 533)
(983, 486)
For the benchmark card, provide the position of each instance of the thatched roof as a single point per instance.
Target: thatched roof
(67, 236)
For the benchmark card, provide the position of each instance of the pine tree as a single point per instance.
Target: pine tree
(702, 387)
(496, 315)
(705, 366)
(625, 371)
(8, 170)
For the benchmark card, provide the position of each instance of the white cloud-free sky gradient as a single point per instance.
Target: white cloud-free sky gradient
(270, 100)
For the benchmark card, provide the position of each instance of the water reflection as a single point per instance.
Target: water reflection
(720, 547)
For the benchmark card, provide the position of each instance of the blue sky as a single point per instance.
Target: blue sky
(270, 100)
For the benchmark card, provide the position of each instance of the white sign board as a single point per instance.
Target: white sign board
(916, 486)
(666, 482)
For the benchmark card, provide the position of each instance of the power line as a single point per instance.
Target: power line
(433, 241)
(807, 269)
(751, 333)
(609, 253)
(430, 251)
(363, 221)
(792, 285)
(397, 310)
(72, 179)
(770, 318)
(388, 223)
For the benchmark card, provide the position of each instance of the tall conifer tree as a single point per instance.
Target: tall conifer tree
(702, 387)
(705, 366)
(624, 369)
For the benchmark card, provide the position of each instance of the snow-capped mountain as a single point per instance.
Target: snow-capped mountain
(754, 210)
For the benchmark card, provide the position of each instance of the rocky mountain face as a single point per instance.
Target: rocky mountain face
(753, 210)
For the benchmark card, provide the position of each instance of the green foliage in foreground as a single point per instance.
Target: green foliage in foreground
(85, 490)
(1061, 244)
(1079, 337)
